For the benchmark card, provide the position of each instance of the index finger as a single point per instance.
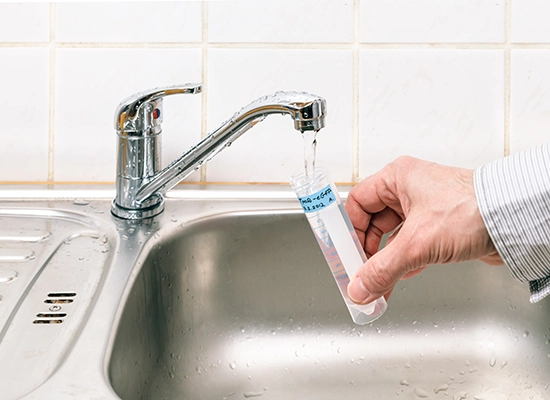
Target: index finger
(374, 209)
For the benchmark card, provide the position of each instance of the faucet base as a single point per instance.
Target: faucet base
(137, 214)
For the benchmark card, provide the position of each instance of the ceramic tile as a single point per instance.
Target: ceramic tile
(530, 100)
(432, 21)
(90, 84)
(280, 21)
(444, 106)
(530, 21)
(24, 74)
(24, 22)
(163, 21)
(273, 150)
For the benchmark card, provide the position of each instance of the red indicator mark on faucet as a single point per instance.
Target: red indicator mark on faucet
(156, 113)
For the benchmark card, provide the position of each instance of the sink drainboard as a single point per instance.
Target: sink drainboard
(52, 269)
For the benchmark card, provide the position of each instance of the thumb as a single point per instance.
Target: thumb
(381, 272)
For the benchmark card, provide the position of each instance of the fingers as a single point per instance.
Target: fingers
(381, 223)
(383, 270)
(373, 194)
(441, 223)
(373, 211)
(413, 273)
(358, 216)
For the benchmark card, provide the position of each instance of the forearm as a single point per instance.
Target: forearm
(513, 195)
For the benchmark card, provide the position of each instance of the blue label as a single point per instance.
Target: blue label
(318, 200)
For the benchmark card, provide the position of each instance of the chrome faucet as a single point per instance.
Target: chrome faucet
(141, 184)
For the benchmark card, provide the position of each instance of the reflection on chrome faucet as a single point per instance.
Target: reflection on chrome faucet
(140, 182)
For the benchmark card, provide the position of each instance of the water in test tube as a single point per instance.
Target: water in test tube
(336, 236)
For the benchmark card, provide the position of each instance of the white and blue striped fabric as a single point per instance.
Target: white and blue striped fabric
(513, 195)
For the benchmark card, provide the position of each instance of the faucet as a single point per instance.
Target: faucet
(140, 182)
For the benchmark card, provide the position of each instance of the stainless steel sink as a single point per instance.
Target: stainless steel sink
(241, 305)
(52, 264)
(226, 295)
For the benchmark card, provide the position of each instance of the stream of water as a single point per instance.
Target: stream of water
(310, 149)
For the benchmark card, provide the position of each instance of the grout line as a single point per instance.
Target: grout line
(124, 45)
(295, 45)
(432, 46)
(24, 44)
(507, 76)
(356, 148)
(289, 45)
(51, 125)
(526, 46)
(204, 78)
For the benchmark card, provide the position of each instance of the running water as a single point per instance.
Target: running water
(310, 148)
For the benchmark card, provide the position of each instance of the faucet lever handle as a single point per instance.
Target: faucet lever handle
(141, 113)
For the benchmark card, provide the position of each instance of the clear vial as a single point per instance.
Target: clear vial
(335, 235)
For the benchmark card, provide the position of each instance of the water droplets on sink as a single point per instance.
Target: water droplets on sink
(80, 202)
(460, 396)
(250, 394)
(7, 275)
(226, 397)
(441, 388)
(418, 391)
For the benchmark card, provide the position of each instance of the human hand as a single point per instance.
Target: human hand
(435, 211)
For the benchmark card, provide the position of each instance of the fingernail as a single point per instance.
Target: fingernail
(357, 291)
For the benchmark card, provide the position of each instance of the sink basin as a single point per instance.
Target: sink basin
(225, 295)
(242, 305)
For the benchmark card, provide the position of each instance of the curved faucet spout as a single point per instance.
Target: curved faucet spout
(146, 197)
(308, 112)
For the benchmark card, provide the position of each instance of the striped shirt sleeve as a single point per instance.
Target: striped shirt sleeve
(513, 195)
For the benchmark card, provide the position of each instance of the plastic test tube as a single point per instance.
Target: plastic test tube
(336, 236)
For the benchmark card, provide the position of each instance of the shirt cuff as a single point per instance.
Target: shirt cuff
(513, 196)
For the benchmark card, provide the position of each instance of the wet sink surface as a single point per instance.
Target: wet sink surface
(244, 306)
(52, 263)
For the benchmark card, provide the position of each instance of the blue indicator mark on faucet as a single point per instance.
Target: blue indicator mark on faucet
(318, 200)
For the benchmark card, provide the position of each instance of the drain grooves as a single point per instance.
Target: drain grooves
(51, 315)
(55, 317)
(47, 321)
(58, 301)
(62, 294)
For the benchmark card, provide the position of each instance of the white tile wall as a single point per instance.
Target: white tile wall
(129, 22)
(434, 21)
(24, 99)
(530, 111)
(530, 21)
(91, 82)
(273, 150)
(24, 22)
(457, 81)
(286, 21)
(441, 105)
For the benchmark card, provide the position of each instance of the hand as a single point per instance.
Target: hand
(434, 212)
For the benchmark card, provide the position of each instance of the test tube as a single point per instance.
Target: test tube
(336, 237)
